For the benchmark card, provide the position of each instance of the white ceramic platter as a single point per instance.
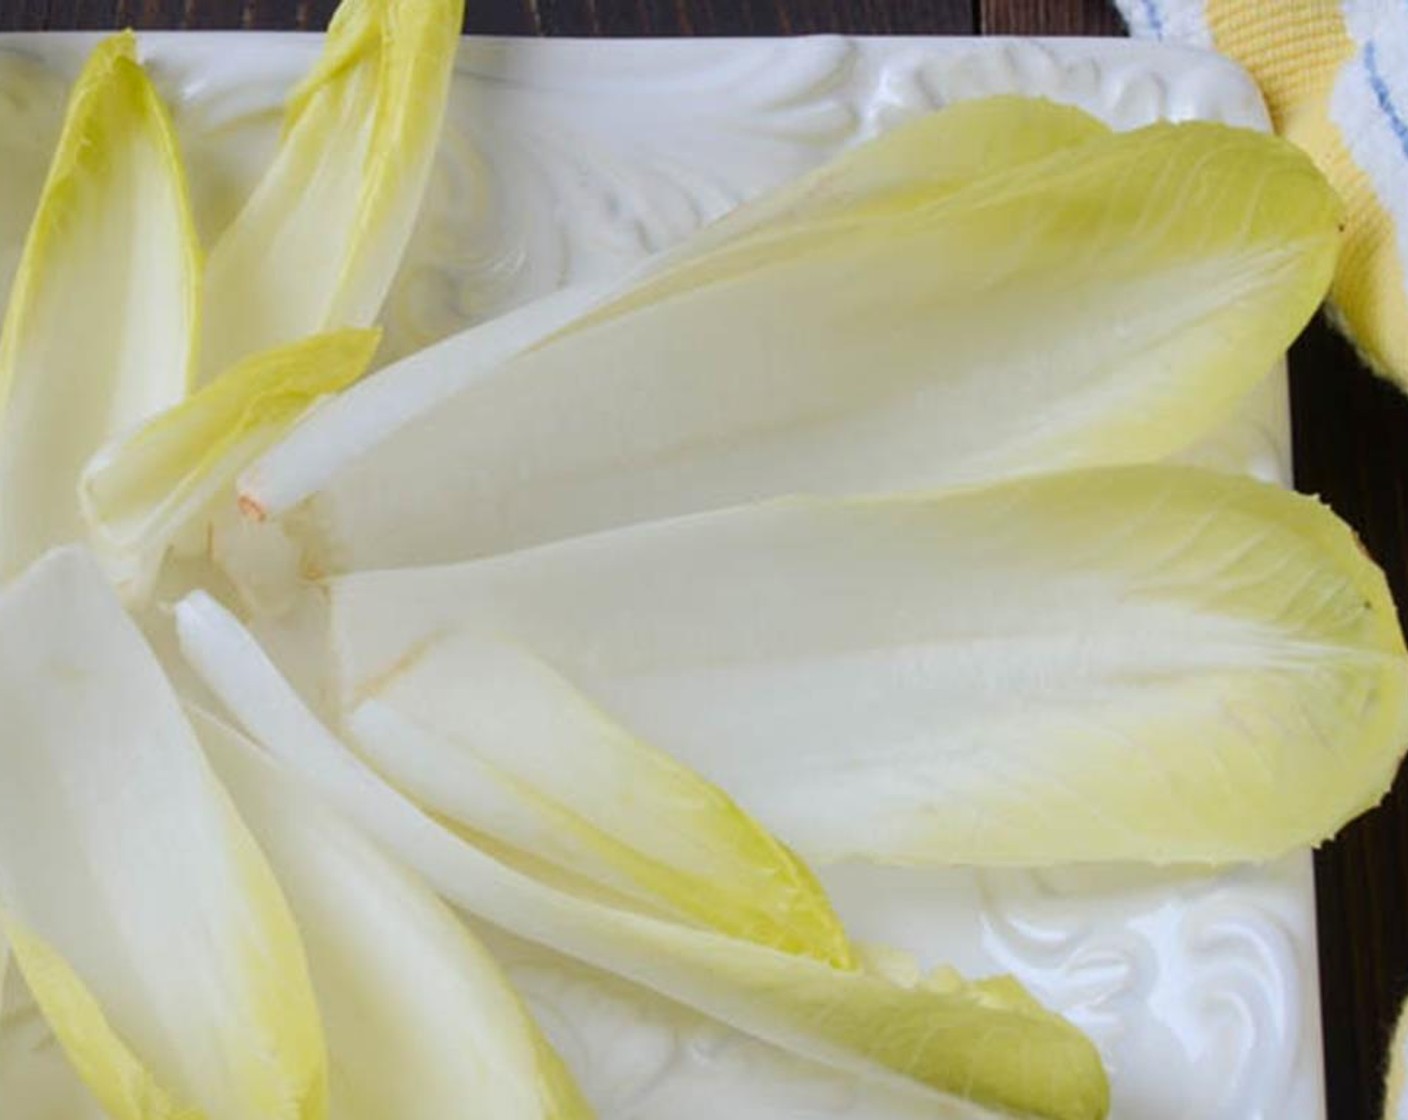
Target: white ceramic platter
(565, 160)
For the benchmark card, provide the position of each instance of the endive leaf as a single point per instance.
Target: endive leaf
(1148, 663)
(605, 1024)
(485, 733)
(31, 113)
(1111, 302)
(140, 913)
(140, 490)
(114, 236)
(421, 1022)
(987, 1043)
(927, 159)
(318, 242)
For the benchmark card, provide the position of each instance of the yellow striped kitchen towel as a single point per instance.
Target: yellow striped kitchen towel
(1335, 77)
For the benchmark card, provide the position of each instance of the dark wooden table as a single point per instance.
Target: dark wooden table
(1351, 431)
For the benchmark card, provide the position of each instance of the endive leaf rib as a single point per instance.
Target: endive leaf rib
(142, 915)
(421, 1022)
(319, 241)
(114, 235)
(1110, 302)
(966, 1041)
(1147, 663)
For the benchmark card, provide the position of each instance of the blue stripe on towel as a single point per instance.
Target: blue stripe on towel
(1154, 16)
(1384, 96)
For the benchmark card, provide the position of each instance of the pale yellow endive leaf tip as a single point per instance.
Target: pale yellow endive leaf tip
(102, 1060)
(114, 234)
(486, 733)
(319, 241)
(417, 40)
(113, 84)
(120, 1081)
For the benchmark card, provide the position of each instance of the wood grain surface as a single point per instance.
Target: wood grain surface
(603, 17)
(1351, 431)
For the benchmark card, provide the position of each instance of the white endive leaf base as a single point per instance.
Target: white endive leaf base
(140, 912)
(420, 1021)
